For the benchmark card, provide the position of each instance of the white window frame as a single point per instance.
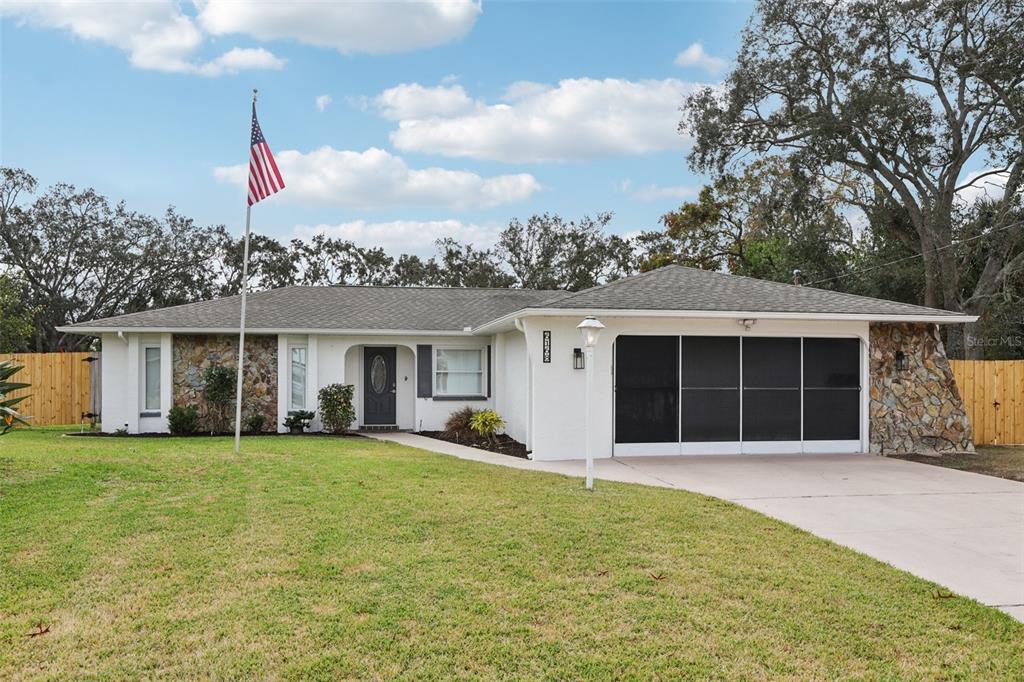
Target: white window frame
(146, 409)
(291, 394)
(482, 372)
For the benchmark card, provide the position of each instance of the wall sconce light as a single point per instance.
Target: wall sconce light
(577, 358)
(900, 361)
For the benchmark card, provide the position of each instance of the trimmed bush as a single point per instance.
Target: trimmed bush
(298, 420)
(254, 422)
(336, 409)
(183, 421)
(459, 423)
(487, 423)
(219, 391)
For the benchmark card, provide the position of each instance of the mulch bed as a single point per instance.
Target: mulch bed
(207, 434)
(503, 445)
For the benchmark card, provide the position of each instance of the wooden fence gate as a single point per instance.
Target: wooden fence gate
(61, 386)
(993, 393)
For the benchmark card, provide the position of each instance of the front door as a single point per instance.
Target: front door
(379, 385)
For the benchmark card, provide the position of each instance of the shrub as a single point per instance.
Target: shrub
(219, 390)
(487, 423)
(459, 423)
(298, 420)
(336, 409)
(254, 422)
(8, 415)
(183, 421)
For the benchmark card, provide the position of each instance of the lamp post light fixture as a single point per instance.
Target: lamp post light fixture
(590, 328)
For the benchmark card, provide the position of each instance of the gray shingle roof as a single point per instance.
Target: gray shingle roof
(676, 287)
(439, 309)
(343, 307)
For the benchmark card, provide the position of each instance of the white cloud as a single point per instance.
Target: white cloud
(155, 35)
(404, 236)
(240, 59)
(322, 102)
(377, 179)
(413, 100)
(990, 186)
(372, 27)
(656, 192)
(695, 55)
(577, 119)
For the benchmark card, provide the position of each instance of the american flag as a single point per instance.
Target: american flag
(264, 178)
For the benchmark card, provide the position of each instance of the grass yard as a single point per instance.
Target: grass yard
(991, 460)
(324, 558)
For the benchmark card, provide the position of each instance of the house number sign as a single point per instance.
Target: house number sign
(547, 346)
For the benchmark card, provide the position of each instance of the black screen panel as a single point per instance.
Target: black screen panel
(771, 414)
(711, 415)
(831, 363)
(711, 362)
(771, 363)
(832, 414)
(646, 389)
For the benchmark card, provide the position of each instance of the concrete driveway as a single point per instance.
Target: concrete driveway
(964, 531)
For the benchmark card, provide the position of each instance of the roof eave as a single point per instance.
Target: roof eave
(494, 325)
(94, 331)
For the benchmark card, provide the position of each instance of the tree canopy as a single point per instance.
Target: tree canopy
(911, 101)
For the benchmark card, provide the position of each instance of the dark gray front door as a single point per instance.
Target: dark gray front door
(379, 385)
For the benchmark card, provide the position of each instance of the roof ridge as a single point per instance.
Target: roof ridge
(400, 287)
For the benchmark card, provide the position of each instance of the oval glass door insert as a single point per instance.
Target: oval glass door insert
(378, 374)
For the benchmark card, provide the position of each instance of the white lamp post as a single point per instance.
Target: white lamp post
(590, 328)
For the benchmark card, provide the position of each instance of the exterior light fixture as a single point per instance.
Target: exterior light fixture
(577, 359)
(590, 328)
(900, 361)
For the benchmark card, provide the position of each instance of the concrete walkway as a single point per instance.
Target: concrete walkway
(961, 530)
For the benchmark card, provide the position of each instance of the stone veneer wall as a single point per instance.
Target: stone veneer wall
(918, 410)
(194, 353)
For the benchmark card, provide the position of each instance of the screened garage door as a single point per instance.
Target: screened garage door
(726, 394)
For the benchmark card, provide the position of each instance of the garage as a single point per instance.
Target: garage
(692, 394)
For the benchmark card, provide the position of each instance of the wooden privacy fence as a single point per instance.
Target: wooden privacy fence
(60, 390)
(993, 393)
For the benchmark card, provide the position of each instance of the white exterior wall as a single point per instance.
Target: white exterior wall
(123, 390)
(511, 386)
(116, 401)
(558, 423)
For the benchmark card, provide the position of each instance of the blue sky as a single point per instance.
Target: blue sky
(445, 120)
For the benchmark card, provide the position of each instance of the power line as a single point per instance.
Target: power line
(916, 255)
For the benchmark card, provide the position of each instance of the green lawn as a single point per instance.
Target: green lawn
(991, 460)
(324, 558)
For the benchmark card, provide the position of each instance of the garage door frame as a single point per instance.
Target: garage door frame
(743, 446)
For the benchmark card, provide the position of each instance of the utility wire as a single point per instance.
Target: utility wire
(916, 255)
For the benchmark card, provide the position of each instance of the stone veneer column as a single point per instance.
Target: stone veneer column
(193, 353)
(918, 410)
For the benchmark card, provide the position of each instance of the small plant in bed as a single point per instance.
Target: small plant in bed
(336, 409)
(487, 423)
(297, 421)
(183, 421)
(255, 422)
(478, 429)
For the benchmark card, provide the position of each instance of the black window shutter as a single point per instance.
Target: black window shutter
(488, 371)
(424, 371)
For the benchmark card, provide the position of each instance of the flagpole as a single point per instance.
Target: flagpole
(241, 324)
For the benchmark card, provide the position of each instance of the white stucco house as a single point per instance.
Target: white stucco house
(689, 361)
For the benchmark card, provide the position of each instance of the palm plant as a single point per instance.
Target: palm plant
(9, 416)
